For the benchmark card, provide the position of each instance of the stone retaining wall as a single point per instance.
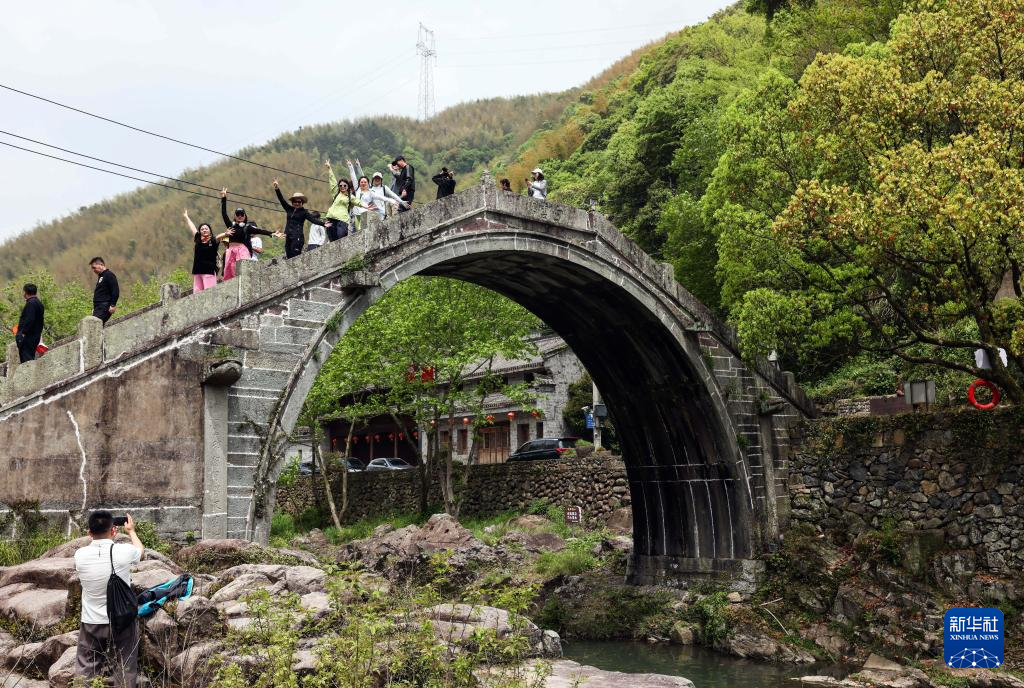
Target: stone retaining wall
(597, 483)
(941, 483)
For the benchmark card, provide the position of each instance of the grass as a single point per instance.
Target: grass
(571, 561)
(30, 546)
(365, 527)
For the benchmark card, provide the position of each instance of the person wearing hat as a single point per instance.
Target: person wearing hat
(405, 181)
(383, 195)
(295, 227)
(538, 186)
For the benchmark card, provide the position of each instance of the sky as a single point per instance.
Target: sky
(225, 75)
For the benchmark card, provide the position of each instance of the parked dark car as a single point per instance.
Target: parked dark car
(544, 448)
(310, 468)
(388, 464)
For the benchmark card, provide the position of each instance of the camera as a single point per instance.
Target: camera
(120, 520)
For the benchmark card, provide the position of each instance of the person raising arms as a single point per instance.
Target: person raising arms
(204, 255)
(339, 215)
(240, 233)
(294, 230)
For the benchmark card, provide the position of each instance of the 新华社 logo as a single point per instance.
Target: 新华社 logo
(974, 638)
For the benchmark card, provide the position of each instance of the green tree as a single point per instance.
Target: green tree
(911, 218)
(426, 350)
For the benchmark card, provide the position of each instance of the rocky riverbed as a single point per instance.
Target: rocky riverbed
(468, 608)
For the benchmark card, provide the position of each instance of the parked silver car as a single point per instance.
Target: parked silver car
(388, 464)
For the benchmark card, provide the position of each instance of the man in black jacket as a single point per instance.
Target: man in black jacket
(30, 324)
(405, 182)
(294, 229)
(445, 181)
(107, 292)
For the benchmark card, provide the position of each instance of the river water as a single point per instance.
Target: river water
(707, 669)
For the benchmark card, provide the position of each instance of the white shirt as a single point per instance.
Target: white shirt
(256, 243)
(317, 235)
(93, 565)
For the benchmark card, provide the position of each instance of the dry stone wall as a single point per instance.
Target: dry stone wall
(949, 487)
(597, 483)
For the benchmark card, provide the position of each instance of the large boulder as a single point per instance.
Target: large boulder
(244, 584)
(13, 680)
(565, 673)
(54, 572)
(151, 572)
(407, 551)
(455, 624)
(530, 522)
(621, 521)
(160, 638)
(214, 554)
(192, 667)
(38, 607)
(765, 649)
(197, 618)
(35, 659)
(62, 672)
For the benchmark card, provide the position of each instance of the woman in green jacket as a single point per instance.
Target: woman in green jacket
(338, 220)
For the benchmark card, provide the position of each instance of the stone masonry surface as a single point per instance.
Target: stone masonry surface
(954, 480)
(597, 483)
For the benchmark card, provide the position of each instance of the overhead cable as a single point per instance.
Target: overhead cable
(153, 133)
(129, 167)
(128, 176)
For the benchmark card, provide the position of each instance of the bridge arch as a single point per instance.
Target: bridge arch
(692, 416)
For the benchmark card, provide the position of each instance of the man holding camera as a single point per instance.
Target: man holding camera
(445, 181)
(98, 645)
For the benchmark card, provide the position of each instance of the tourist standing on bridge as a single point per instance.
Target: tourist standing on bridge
(538, 186)
(339, 215)
(30, 324)
(240, 233)
(405, 181)
(383, 195)
(506, 185)
(445, 181)
(101, 649)
(204, 256)
(107, 291)
(317, 235)
(294, 229)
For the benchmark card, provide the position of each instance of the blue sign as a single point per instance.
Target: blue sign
(974, 638)
(590, 419)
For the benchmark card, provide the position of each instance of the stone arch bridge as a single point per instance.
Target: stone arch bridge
(168, 411)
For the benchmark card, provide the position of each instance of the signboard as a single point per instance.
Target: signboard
(573, 515)
(973, 638)
(590, 420)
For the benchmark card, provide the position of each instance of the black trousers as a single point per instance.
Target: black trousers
(408, 199)
(100, 654)
(292, 245)
(336, 229)
(27, 349)
(101, 311)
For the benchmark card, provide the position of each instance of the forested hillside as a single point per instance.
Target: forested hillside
(837, 178)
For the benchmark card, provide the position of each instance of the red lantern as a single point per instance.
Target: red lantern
(334, 442)
(416, 434)
(377, 437)
(535, 414)
(401, 435)
(511, 415)
(465, 421)
(355, 439)
(391, 435)
(489, 419)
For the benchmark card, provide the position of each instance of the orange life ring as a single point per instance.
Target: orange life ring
(975, 403)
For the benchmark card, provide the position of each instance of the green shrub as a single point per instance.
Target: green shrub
(149, 537)
(538, 507)
(30, 546)
(282, 525)
(310, 518)
(571, 561)
(713, 620)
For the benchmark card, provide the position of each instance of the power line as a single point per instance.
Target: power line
(129, 167)
(571, 46)
(153, 133)
(526, 64)
(127, 176)
(564, 33)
